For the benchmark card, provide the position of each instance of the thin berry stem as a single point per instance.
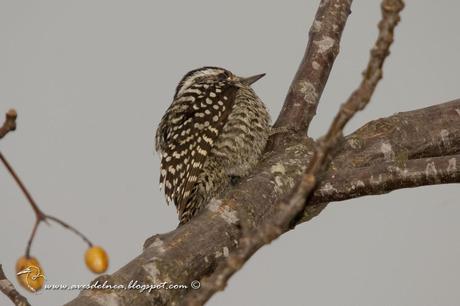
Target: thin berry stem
(32, 236)
(70, 228)
(40, 216)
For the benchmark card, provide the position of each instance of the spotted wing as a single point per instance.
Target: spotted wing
(196, 119)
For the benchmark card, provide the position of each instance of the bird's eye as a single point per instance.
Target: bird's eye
(225, 75)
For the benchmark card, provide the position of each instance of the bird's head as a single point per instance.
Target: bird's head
(213, 74)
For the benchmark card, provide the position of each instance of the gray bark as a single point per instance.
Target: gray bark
(387, 154)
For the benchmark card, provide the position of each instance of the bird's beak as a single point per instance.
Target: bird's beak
(252, 79)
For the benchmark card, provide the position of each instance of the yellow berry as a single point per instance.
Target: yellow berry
(30, 274)
(96, 259)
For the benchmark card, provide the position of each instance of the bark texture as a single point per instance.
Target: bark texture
(409, 149)
(8, 289)
(419, 155)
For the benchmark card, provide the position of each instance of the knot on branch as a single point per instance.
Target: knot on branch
(392, 6)
(9, 124)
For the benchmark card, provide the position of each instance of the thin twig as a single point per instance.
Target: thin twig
(279, 222)
(38, 212)
(39, 215)
(8, 289)
(9, 124)
(32, 236)
(70, 228)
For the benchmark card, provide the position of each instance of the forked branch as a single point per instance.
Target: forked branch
(276, 225)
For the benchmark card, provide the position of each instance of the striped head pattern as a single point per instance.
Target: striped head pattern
(203, 100)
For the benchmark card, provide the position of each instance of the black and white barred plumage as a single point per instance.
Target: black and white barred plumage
(216, 128)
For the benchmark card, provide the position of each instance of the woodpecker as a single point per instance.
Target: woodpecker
(215, 130)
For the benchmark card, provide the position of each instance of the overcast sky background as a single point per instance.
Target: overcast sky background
(91, 80)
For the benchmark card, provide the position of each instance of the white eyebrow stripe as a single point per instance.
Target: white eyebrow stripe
(200, 73)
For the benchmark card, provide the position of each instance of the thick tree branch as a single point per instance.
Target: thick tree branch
(287, 210)
(381, 146)
(387, 176)
(428, 132)
(307, 86)
(8, 289)
(191, 252)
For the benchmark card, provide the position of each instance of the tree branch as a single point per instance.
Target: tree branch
(9, 124)
(402, 141)
(386, 177)
(403, 136)
(289, 209)
(307, 86)
(39, 215)
(8, 289)
(191, 252)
